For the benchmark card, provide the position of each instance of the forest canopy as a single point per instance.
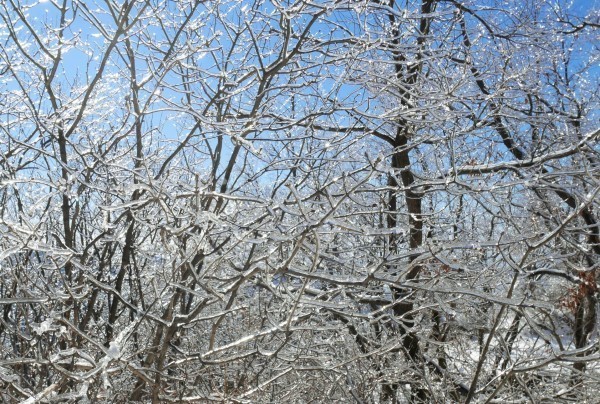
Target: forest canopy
(297, 201)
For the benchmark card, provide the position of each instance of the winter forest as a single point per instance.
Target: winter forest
(299, 201)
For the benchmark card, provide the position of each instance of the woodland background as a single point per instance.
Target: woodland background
(298, 201)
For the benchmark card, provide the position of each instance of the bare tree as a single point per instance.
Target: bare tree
(271, 202)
